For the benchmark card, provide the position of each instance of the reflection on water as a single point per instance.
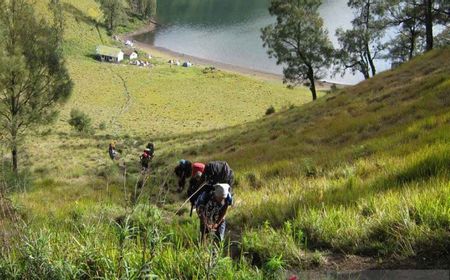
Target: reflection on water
(229, 31)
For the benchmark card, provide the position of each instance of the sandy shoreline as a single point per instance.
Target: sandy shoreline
(169, 54)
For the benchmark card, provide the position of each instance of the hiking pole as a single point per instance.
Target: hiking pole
(192, 209)
(189, 198)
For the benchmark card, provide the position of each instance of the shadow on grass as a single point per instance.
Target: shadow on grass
(79, 15)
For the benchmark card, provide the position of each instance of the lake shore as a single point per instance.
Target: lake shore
(169, 54)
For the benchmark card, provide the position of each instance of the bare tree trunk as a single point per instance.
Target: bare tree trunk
(429, 24)
(368, 53)
(14, 159)
(370, 59)
(313, 90)
(412, 45)
(365, 71)
(312, 82)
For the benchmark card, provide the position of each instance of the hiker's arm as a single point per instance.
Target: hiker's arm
(221, 217)
(202, 215)
(182, 182)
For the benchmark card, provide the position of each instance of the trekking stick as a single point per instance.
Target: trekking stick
(189, 198)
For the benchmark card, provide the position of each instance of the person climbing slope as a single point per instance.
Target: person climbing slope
(113, 154)
(212, 208)
(146, 157)
(186, 169)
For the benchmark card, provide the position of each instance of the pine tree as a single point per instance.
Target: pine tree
(33, 75)
(114, 13)
(298, 41)
(361, 45)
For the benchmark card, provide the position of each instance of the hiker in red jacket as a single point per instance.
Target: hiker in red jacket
(186, 169)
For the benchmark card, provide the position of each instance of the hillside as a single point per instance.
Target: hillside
(359, 179)
(364, 171)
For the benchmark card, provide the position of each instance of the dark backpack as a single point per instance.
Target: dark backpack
(217, 172)
(145, 159)
(184, 169)
(151, 147)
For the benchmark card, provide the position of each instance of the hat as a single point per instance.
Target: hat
(221, 190)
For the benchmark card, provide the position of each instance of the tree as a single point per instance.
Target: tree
(144, 8)
(361, 45)
(405, 15)
(353, 53)
(114, 12)
(299, 41)
(435, 12)
(443, 39)
(415, 21)
(33, 75)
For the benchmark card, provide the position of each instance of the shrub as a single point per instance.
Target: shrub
(270, 110)
(80, 121)
(333, 88)
(274, 267)
(102, 126)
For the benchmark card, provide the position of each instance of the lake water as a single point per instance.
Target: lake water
(229, 31)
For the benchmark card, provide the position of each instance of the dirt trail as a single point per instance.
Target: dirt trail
(124, 108)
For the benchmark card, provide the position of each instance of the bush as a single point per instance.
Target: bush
(80, 121)
(333, 88)
(102, 126)
(270, 110)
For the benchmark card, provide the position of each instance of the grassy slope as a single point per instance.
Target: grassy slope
(363, 171)
(163, 100)
(142, 103)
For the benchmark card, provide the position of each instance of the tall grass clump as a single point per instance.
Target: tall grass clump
(80, 121)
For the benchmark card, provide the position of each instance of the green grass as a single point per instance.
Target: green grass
(363, 171)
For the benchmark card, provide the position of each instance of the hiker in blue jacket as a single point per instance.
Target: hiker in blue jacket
(212, 208)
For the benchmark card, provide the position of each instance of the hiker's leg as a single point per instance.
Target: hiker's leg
(220, 232)
(203, 232)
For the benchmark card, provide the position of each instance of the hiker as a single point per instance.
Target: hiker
(217, 172)
(151, 148)
(212, 208)
(112, 150)
(186, 169)
(146, 157)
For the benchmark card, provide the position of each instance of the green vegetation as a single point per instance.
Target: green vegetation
(33, 75)
(298, 41)
(143, 8)
(81, 122)
(114, 13)
(363, 170)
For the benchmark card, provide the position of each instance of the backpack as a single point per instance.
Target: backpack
(145, 159)
(219, 172)
(208, 194)
(184, 169)
(151, 147)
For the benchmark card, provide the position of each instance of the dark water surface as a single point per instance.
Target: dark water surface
(229, 31)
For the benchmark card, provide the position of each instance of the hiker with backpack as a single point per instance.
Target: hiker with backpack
(113, 154)
(147, 156)
(212, 206)
(186, 169)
